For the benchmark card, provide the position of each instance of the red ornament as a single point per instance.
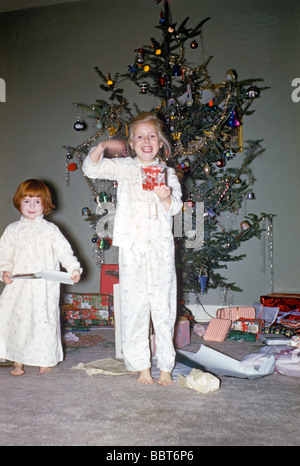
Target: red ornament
(72, 167)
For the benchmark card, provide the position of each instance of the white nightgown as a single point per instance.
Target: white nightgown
(29, 308)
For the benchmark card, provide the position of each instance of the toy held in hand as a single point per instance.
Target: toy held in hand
(152, 177)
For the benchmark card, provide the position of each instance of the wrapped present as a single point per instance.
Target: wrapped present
(284, 301)
(93, 301)
(82, 319)
(182, 335)
(241, 336)
(248, 325)
(152, 177)
(109, 277)
(235, 313)
(217, 330)
(181, 338)
(83, 310)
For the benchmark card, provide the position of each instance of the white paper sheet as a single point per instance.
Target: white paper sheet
(219, 364)
(53, 275)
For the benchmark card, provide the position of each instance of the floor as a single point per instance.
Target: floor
(70, 408)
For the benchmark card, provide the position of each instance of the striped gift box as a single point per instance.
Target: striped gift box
(236, 313)
(217, 330)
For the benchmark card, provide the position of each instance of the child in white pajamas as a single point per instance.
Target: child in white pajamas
(29, 309)
(143, 233)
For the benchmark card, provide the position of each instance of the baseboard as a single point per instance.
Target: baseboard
(203, 314)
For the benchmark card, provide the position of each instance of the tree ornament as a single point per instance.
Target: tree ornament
(223, 193)
(221, 163)
(158, 52)
(250, 196)
(245, 225)
(176, 70)
(144, 88)
(206, 169)
(146, 68)
(79, 125)
(85, 211)
(162, 81)
(72, 167)
(231, 75)
(104, 243)
(109, 81)
(202, 279)
(228, 154)
(193, 44)
(233, 121)
(252, 92)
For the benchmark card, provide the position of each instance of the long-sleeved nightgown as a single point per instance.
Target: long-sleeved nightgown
(30, 330)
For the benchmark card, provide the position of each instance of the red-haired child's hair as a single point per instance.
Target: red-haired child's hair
(34, 188)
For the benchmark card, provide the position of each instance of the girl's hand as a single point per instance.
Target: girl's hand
(76, 275)
(6, 278)
(164, 194)
(112, 146)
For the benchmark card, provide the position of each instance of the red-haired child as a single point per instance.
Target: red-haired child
(29, 309)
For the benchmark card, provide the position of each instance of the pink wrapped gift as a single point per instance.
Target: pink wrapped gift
(217, 330)
(236, 313)
(182, 333)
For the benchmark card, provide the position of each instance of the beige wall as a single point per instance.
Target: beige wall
(47, 59)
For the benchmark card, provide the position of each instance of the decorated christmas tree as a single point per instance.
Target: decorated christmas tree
(203, 121)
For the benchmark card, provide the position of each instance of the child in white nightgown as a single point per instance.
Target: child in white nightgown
(29, 309)
(143, 233)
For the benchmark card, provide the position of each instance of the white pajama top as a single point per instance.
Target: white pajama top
(29, 308)
(139, 214)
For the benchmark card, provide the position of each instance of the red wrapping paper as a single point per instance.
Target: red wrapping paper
(152, 177)
(285, 301)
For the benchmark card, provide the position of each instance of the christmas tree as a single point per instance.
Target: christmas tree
(203, 121)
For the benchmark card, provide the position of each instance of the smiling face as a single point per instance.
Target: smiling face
(31, 207)
(145, 142)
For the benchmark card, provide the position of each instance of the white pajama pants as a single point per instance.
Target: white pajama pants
(148, 289)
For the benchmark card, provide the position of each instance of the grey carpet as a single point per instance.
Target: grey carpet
(69, 408)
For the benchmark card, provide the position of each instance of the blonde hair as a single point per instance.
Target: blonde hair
(34, 188)
(148, 117)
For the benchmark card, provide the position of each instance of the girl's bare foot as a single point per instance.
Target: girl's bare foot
(18, 369)
(165, 378)
(43, 370)
(145, 377)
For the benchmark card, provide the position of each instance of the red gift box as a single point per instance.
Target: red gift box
(217, 330)
(109, 277)
(285, 301)
(153, 176)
